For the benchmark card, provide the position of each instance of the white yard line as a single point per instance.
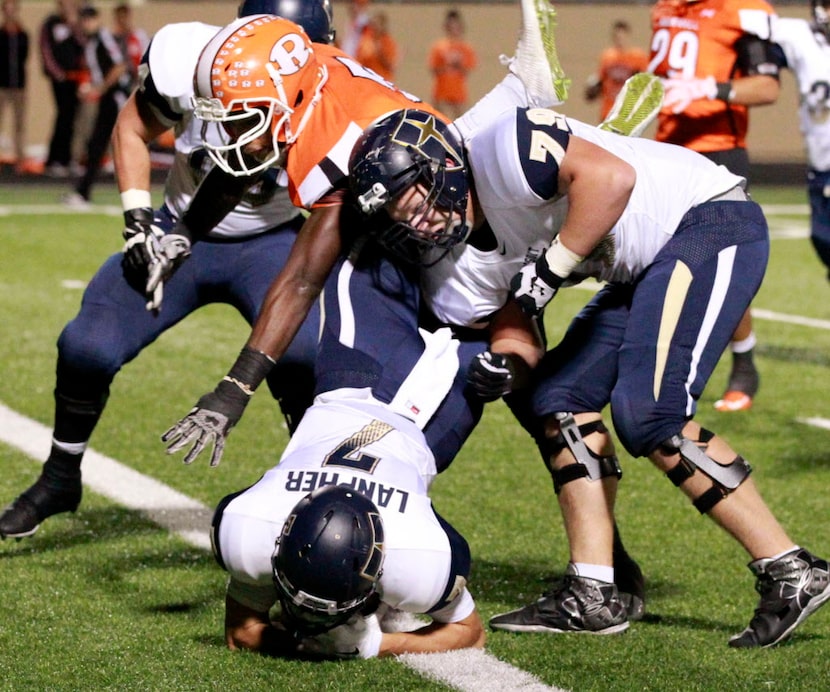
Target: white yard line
(467, 671)
(800, 320)
(167, 507)
(474, 670)
(57, 210)
(823, 423)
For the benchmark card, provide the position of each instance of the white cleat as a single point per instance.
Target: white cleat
(74, 200)
(636, 106)
(536, 63)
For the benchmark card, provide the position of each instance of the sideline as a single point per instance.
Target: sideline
(467, 671)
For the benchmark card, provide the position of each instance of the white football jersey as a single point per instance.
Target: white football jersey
(166, 80)
(516, 183)
(808, 56)
(347, 437)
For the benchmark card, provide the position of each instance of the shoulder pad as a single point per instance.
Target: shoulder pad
(171, 61)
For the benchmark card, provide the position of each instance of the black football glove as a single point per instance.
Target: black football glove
(491, 375)
(216, 413)
(141, 237)
(209, 421)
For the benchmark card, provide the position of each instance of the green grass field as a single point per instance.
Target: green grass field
(106, 599)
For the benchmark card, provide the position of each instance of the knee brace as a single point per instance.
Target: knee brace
(589, 464)
(726, 477)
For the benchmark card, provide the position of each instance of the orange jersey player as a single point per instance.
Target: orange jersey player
(717, 61)
(352, 97)
(450, 60)
(274, 100)
(703, 49)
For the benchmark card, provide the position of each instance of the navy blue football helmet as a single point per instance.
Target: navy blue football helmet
(328, 558)
(406, 148)
(315, 16)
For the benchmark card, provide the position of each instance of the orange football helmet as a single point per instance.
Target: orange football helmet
(258, 74)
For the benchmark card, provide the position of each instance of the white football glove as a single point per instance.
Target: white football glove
(360, 637)
(681, 92)
(173, 249)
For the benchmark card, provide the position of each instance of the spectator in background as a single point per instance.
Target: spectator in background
(717, 61)
(133, 41)
(616, 64)
(358, 12)
(376, 48)
(61, 50)
(450, 60)
(806, 46)
(109, 85)
(14, 51)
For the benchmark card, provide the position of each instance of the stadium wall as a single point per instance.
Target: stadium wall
(584, 30)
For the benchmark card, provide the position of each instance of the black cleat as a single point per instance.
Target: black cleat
(791, 588)
(23, 517)
(579, 605)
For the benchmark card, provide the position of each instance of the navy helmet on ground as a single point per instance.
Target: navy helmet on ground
(328, 558)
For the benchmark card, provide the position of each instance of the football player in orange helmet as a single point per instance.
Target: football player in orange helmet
(258, 75)
(281, 100)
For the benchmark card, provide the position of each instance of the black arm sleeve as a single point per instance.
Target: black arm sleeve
(216, 197)
(757, 56)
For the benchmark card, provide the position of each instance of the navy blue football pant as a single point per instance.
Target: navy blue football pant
(818, 188)
(649, 347)
(378, 305)
(113, 325)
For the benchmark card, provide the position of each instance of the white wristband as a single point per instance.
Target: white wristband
(561, 261)
(370, 646)
(136, 199)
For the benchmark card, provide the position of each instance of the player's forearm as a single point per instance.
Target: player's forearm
(262, 638)
(130, 137)
(514, 333)
(249, 630)
(755, 90)
(298, 285)
(468, 633)
(283, 311)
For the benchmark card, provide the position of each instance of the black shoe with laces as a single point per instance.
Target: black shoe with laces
(23, 517)
(791, 588)
(578, 605)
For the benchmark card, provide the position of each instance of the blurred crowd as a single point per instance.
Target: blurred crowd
(91, 66)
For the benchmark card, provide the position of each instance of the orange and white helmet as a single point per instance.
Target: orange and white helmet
(257, 75)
